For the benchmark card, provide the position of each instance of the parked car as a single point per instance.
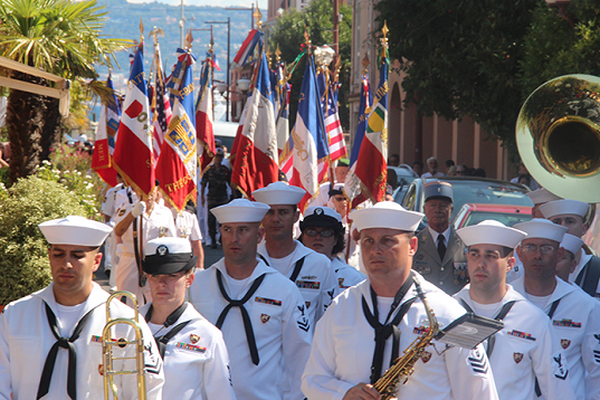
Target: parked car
(474, 190)
(405, 175)
(472, 214)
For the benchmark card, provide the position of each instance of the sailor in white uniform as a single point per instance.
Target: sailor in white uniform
(135, 225)
(574, 315)
(260, 312)
(345, 361)
(309, 270)
(323, 232)
(195, 358)
(524, 349)
(568, 262)
(51, 341)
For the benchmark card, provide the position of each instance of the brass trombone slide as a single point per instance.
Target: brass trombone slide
(108, 344)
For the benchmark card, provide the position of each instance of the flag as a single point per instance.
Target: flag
(253, 39)
(104, 145)
(371, 166)
(310, 147)
(255, 164)
(176, 167)
(174, 80)
(204, 117)
(286, 154)
(161, 106)
(215, 62)
(333, 126)
(352, 187)
(133, 150)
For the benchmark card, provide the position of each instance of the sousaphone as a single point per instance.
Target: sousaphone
(558, 136)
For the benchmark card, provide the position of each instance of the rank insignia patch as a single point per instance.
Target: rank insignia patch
(121, 212)
(521, 335)
(181, 345)
(194, 338)
(560, 370)
(101, 369)
(307, 303)
(264, 300)
(597, 356)
(518, 357)
(426, 357)
(565, 343)
(264, 318)
(478, 362)
(566, 323)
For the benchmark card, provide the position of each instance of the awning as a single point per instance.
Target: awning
(60, 91)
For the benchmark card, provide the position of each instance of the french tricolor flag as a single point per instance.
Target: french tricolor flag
(133, 150)
(247, 49)
(310, 147)
(256, 159)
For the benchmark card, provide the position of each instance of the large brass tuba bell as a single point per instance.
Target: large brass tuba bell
(558, 136)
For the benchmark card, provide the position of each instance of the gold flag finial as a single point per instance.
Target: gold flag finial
(142, 30)
(306, 39)
(188, 39)
(269, 54)
(365, 63)
(154, 34)
(385, 31)
(278, 53)
(257, 16)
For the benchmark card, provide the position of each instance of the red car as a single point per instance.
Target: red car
(472, 214)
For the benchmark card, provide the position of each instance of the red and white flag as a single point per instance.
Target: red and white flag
(133, 150)
(104, 147)
(177, 166)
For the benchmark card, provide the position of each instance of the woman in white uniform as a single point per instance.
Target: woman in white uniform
(196, 361)
(323, 232)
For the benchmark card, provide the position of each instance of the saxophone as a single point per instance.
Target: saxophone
(403, 367)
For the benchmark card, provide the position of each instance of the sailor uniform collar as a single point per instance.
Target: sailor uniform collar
(97, 296)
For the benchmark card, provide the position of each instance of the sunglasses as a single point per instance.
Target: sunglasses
(324, 233)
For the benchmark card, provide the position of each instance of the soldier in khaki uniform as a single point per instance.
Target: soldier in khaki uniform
(440, 256)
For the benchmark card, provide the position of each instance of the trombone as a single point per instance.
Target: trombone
(108, 344)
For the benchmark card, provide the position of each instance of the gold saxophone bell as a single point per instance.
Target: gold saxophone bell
(108, 342)
(558, 136)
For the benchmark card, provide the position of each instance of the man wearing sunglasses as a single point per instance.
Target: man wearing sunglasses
(575, 316)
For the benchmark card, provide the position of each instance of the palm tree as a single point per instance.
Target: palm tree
(62, 37)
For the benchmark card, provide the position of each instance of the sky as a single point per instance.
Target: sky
(217, 3)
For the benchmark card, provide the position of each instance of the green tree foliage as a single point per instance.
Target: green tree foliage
(461, 58)
(59, 36)
(553, 47)
(288, 33)
(24, 266)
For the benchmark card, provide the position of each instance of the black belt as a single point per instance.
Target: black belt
(245, 316)
(65, 343)
(384, 331)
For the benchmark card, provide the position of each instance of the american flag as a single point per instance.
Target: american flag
(161, 107)
(333, 126)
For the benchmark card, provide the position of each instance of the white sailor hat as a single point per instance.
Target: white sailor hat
(571, 243)
(386, 214)
(279, 193)
(240, 210)
(539, 228)
(541, 196)
(491, 232)
(168, 255)
(321, 217)
(75, 230)
(565, 206)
